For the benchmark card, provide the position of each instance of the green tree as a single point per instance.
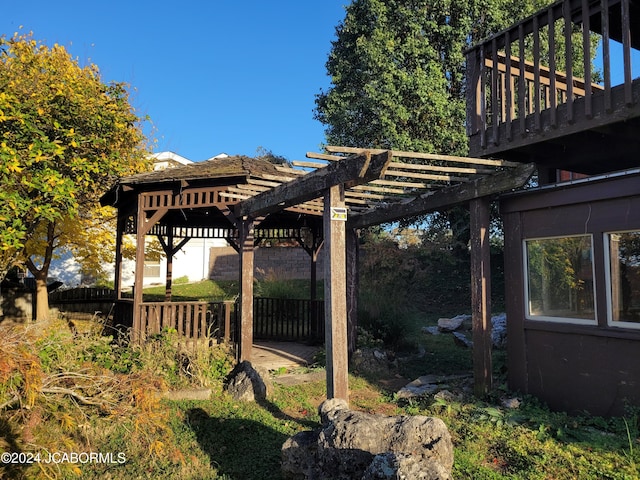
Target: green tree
(65, 137)
(397, 75)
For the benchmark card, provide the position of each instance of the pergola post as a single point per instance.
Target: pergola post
(137, 330)
(169, 269)
(117, 279)
(335, 282)
(481, 295)
(245, 230)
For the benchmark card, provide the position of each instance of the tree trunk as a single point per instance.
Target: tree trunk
(41, 274)
(42, 298)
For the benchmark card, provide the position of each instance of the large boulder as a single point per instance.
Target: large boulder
(248, 384)
(358, 445)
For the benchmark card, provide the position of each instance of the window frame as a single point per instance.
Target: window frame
(608, 281)
(547, 318)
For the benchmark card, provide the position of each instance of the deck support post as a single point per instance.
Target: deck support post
(246, 230)
(335, 293)
(481, 295)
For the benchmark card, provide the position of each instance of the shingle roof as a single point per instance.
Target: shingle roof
(232, 167)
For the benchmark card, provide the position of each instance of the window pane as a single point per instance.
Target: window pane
(560, 277)
(624, 250)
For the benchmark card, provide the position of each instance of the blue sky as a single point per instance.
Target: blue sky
(214, 76)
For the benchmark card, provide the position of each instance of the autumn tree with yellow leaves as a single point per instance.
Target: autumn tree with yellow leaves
(65, 137)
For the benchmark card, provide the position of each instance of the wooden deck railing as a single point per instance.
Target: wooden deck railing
(192, 321)
(274, 319)
(288, 319)
(508, 97)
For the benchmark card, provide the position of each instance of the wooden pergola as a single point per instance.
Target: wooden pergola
(336, 192)
(364, 187)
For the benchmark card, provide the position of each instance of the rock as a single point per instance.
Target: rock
(450, 324)
(461, 340)
(511, 403)
(299, 456)
(425, 385)
(499, 330)
(394, 466)
(435, 385)
(247, 384)
(346, 446)
(188, 394)
(329, 408)
(433, 330)
(447, 396)
(371, 361)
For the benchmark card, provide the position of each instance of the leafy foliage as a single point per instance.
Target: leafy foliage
(397, 71)
(65, 136)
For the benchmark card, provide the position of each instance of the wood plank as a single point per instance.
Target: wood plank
(553, 94)
(439, 168)
(425, 156)
(137, 331)
(424, 176)
(536, 73)
(446, 197)
(606, 54)
(586, 58)
(568, 50)
(335, 297)
(246, 231)
(481, 295)
(398, 183)
(509, 105)
(371, 188)
(495, 110)
(522, 111)
(306, 164)
(626, 52)
(350, 171)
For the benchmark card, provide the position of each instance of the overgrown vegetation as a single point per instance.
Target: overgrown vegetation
(83, 392)
(403, 282)
(87, 393)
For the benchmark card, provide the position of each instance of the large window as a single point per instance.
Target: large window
(559, 279)
(623, 272)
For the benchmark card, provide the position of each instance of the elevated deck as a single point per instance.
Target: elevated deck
(545, 89)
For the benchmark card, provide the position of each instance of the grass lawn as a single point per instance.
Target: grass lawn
(61, 392)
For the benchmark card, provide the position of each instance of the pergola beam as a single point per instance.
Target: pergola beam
(424, 156)
(354, 170)
(446, 197)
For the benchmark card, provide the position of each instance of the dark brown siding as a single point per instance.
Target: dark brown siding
(575, 368)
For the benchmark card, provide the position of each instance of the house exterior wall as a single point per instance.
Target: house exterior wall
(580, 366)
(274, 262)
(191, 261)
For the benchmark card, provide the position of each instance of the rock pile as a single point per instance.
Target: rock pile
(461, 324)
(358, 445)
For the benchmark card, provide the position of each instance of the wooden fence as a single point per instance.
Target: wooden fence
(83, 303)
(193, 322)
(288, 319)
(274, 319)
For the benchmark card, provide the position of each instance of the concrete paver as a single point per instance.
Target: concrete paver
(276, 355)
